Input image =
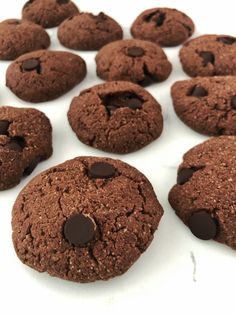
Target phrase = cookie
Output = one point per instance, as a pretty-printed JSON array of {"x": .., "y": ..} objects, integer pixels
[
  {"x": 48, "y": 13},
  {"x": 84, "y": 220},
  {"x": 86, "y": 31},
  {"x": 207, "y": 104},
  {"x": 44, "y": 75},
  {"x": 25, "y": 140},
  {"x": 209, "y": 55},
  {"x": 163, "y": 26},
  {"x": 118, "y": 117},
  {"x": 134, "y": 60},
  {"x": 204, "y": 196},
  {"x": 18, "y": 37}
]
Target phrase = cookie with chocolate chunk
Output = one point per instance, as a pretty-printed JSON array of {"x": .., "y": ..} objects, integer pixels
[
  {"x": 84, "y": 220},
  {"x": 118, "y": 117},
  {"x": 86, "y": 31},
  {"x": 209, "y": 55},
  {"x": 207, "y": 104},
  {"x": 204, "y": 196},
  {"x": 164, "y": 26},
  {"x": 134, "y": 60},
  {"x": 25, "y": 140}
]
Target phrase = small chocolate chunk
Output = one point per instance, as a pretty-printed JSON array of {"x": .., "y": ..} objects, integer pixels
[
  {"x": 207, "y": 57},
  {"x": 198, "y": 91},
  {"x": 32, "y": 166},
  {"x": 101, "y": 170},
  {"x": 16, "y": 143},
  {"x": 135, "y": 51},
  {"x": 4, "y": 125},
  {"x": 226, "y": 40},
  {"x": 203, "y": 225},
  {"x": 185, "y": 174},
  {"x": 31, "y": 65}
]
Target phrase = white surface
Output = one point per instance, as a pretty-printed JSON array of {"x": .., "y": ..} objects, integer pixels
[{"x": 163, "y": 279}]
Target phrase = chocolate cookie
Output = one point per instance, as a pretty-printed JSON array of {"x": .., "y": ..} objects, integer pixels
[
  {"x": 134, "y": 60},
  {"x": 87, "y": 219},
  {"x": 45, "y": 75},
  {"x": 25, "y": 140},
  {"x": 204, "y": 196},
  {"x": 164, "y": 26},
  {"x": 86, "y": 31},
  {"x": 118, "y": 117},
  {"x": 207, "y": 104},
  {"x": 48, "y": 13},
  {"x": 18, "y": 37},
  {"x": 209, "y": 55}
]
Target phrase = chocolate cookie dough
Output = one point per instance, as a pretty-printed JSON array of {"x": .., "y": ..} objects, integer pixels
[
  {"x": 45, "y": 75},
  {"x": 118, "y": 117},
  {"x": 204, "y": 196},
  {"x": 18, "y": 37},
  {"x": 134, "y": 60},
  {"x": 86, "y": 31},
  {"x": 209, "y": 55},
  {"x": 48, "y": 13},
  {"x": 25, "y": 140},
  {"x": 84, "y": 220},
  {"x": 207, "y": 104},
  {"x": 163, "y": 26}
]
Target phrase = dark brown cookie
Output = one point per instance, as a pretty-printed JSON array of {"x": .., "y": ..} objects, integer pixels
[
  {"x": 134, "y": 60},
  {"x": 118, "y": 117},
  {"x": 48, "y": 13},
  {"x": 25, "y": 140},
  {"x": 84, "y": 220},
  {"x": 86, "y": 31},
  {"x": 18, "y": 37},
  {"x": 164, "y": 26},
  {"x": 204, "y": 196},
  {"x": 209, "y": 55},
  {"x": 207, "y": 104},
  {"x": 45, "y": 75}
]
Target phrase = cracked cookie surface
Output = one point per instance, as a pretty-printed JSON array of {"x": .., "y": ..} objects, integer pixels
[
  {"x": 25, "y": 140},
  {"x": 118, "y": 117},
  {"x": 86, "y": 31},
  {"x": 134, "y": 60},
  {"x": 209, "y": 55},
  {"x": 164, "y": 26},
  {"x": 207, "y": 104},
  {"x": 204, "y": 196},
  {"x": 77, "y": 223}
]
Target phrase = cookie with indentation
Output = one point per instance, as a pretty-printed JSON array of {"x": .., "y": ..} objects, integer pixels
[
  {"x": 134, "y": 60},
  {"x": 118, "y": 117},
  {"x": 164, "y": 26},
  {"x": 84, "y": 220},
  {"x": 209, "y": 55},
  {"x": 45, "y": 75},
  {"x": 48, "y": 13},
  {"x": 25, "y": 140},
  {"x": 204, "y": 196},
  {"x": 20, "y": 36},
  {"x": 86, "y": 31},
  {"x": 207, "y": 104}
]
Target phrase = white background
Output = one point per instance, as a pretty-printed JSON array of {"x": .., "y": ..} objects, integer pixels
[{"x": 163, "y": 279}]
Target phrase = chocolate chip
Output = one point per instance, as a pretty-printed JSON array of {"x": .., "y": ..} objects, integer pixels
[
  {"x": 101, "y": 170},
  {"x": 149, "y": 17},
  {"x": 197, "y": 91},
  {"x": 16, "y": 143},
  {"x": 4, "y": 125},
  {"x": 226, "y": 40},
  {"x": 79, "y": 229},
  {"x": 32, "y": 166},
  {"x": 135, "y": 51},
  {"x": 202, "y": 225},
  {"x": 135, "y": 103},
  {"x": 148, "y": 77},
  {"x": 62, "y": 1},
  {"x": 31, "y": 65},
  {"x": 160, "y": 19},
  {"x": 207, "y": 57},
  {"x": 233, "y": 102},
  {"x": 185, "y": 174}
]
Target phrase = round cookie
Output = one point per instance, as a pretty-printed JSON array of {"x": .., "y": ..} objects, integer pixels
[
  {"x": 204, "y": 196},
  {"x": 118, "y": 117},
  {"x": 134, "y": 60},
  {"x": 44, "y": 75},
  {"x": 84, "y": 220},
  {"x": 207, "y": 104},
  {"x": 209, "y": 55},
  {"x": 25, "y": 140},
  {"x": 48, "y": 13},
  {"x": 164, "y": 26},
  {"x": 86, "y": 31},
  {"x": 18, "y": 37}
]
